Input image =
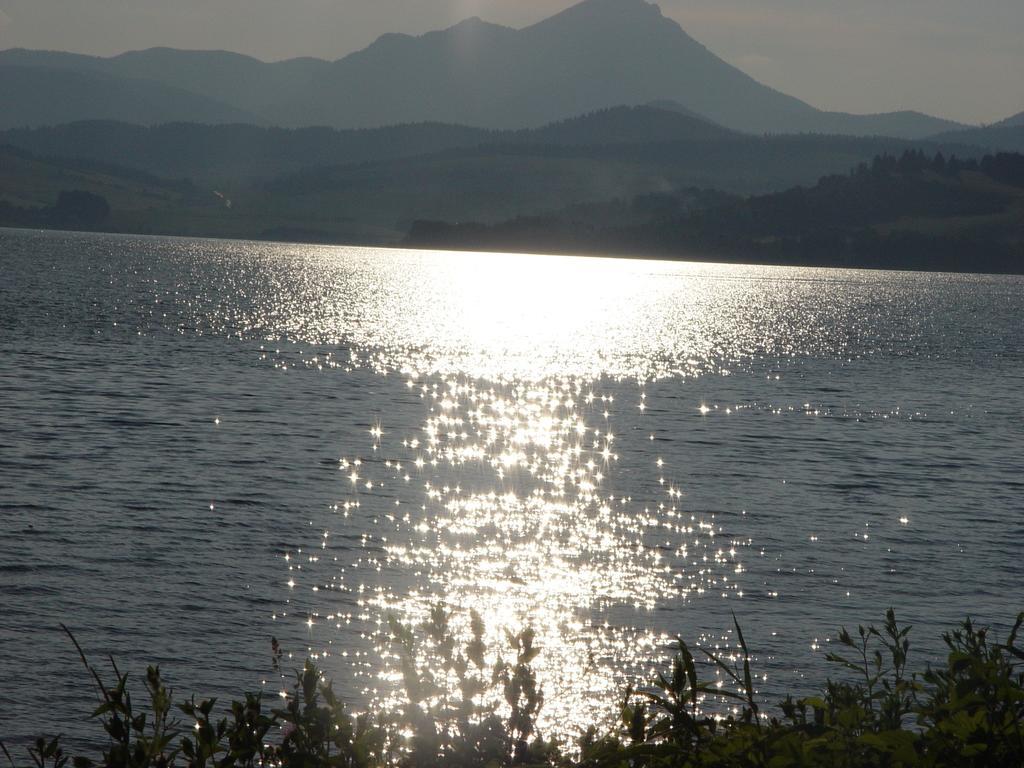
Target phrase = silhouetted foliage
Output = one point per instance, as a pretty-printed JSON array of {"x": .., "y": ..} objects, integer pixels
[
  {"x": 967, "y": 712},
  {"x": 1007, "y": 168}
]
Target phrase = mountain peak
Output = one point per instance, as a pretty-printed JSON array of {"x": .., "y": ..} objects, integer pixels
[
  {"x": 600, "y": 13},
  {"x": 642, "y": 6},
  {"x": 613, "y": 11},
  {"x": 476, "y": 24},
  {"x": 471, "y": 23}
]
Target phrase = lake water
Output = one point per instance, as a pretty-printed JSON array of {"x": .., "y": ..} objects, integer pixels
[{"x": 205, "y": 444}]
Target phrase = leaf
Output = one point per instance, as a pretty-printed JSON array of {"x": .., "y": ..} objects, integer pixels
[
  {"x": 722, "y": 665},
  {"x": 815, "y": 702},
  {"x": 748, "y": 683}
]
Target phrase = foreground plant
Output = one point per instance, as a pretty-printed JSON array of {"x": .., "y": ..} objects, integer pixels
[{"x": 464, "y": 711}]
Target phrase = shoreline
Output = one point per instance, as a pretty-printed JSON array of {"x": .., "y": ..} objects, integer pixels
[{"x": 716, "y": 259}]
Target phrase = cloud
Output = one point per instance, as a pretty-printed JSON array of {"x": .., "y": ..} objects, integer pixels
[{"x": 5, "y": 21}]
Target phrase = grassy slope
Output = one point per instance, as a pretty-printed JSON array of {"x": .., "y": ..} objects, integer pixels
[
  {"x": 139, "y": 203},
  {"x": 34, "y": 182}
]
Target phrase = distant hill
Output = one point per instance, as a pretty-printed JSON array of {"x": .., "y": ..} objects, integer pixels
[
  {"x": 914, "y": 211},
  {"x": 595, "y": 55},
  {"x": 674, "y": 106},
  {"x": 623, "y": 125},
  {"x": 1007, "y": 135},
  {"x": 904, "y": 124},
  {"x": 250, "y": 86},
  {"x": 374, "y": 191},
  {"x": 1016, "y": 120},
  {"x": 735, "y": 163},
  {"x": 492, "y": 182},
  {"x": 907, "y": 124},
  {"x": 235, "y": 153},
  {"x": 32, "y": 96},
  {"x": 245, "y": 152}
]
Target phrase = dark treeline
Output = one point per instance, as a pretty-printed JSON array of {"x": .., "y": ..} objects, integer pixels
[
  {"x": 913, "y": 210},
  {"x": 74, "y": 209},
  {"x": 1005, "y": 167}
]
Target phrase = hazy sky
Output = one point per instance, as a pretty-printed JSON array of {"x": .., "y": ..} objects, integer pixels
[{"x": 952, "y": 58}]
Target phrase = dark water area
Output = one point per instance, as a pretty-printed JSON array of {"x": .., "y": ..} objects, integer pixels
[{"x": 205, "y": 444}]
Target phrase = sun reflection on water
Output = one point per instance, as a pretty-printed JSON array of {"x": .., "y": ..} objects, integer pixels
[
  {"x": 508, "y": 318},
  {"x": 509, "y": 498},
  {"x": 507, "y": 508},
  {"x": 511, "y": 434}
]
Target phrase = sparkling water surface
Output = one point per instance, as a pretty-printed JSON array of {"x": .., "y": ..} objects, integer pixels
[{"x": 204, "y": 444}]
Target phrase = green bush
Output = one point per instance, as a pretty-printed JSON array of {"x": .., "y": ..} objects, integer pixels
[{"x": 461, "y": 711}]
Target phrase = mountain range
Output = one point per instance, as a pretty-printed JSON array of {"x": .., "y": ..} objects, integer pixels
[
  {"x": 1012, "y": 122},
  {"x": 595, "y": 55},
  {"x": 239, "y": 152},
  {"x": 1005, "y": 135},
  {"x": 588, "y": 121}
]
